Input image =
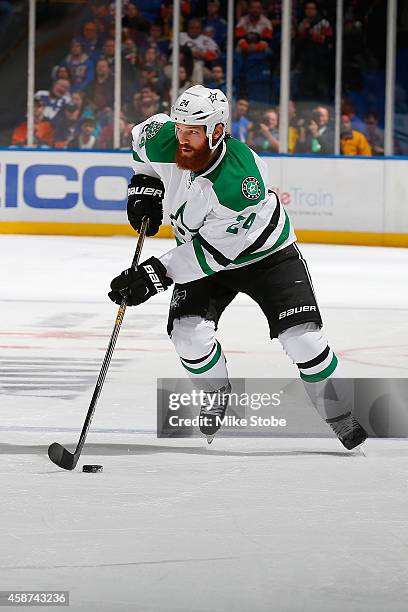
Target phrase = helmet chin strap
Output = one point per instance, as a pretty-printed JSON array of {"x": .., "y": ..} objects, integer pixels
[{"x": 219, "y": 141}]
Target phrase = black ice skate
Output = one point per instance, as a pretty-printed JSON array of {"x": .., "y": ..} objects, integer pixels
[
  {"x": 213, "y": 411},
  {"x": 348, "y": 430}
]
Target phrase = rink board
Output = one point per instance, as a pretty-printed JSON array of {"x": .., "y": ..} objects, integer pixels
[{"x": 329, "y": 199}]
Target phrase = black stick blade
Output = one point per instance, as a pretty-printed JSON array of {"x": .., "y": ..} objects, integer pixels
[{"x": 61, "y": 457}]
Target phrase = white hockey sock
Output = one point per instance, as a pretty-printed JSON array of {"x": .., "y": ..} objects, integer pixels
[
  {"x": 319, "y": 370},
  {"x": 200, "y": 353}
]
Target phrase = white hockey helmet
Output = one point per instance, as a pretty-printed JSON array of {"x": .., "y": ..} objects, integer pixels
[{"x": 199, "y": 105}]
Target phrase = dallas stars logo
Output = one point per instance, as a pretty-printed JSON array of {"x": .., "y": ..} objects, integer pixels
[
  {"x": 152, "y": 128},
  {"x": 213, "y": 96},
  {"x": 251, "y": 188},
  {"x": 179, "y": 295}
]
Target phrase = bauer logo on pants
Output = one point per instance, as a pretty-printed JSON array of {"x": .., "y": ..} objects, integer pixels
[{"x": 297, "y": 310}]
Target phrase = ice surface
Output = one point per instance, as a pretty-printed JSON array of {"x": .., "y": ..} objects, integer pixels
[{"x": 174, "y": 525}]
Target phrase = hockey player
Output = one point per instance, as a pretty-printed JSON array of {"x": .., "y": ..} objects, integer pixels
[{"x": 232, "y": 236}]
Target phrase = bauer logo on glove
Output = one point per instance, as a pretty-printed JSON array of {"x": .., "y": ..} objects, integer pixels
[
  {"x": 148, "y": 191},
  {"x": 137, "y": 286},
  {"x": 145, "y": 198},
  {"x": 155, "y": 279}
]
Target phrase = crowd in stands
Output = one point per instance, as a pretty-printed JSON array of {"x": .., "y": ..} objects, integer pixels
[
  {"x": 309, "y": 133},
  {"x": 77, "y": 109}
]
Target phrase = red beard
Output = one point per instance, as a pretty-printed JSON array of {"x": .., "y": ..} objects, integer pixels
[{"x": 196, "y": 160}]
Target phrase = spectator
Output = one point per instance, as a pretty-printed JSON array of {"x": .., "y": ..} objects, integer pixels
[
  {"x": 79, "y": 100},
  {"x": 210, "y": 33},
  {"x": 95, "y": 10},
  {"x": 274, "y": 14},
  {"x": 254, "y": 30},
  {"x": 375, "y": 135},
  {"x": 106, "y": 137},
  {"x": 132, "y": 109},
  {"x": 151, "y": 57},
  {"x": 149, "y": 107},
  {"x": 134, "y": 20},
  {"x": 100, "y": 91},
  {"x": 241, "y": 126},
  {"x": 155, "y": 79},
  {"x": 150, "y": 9},
  {"x": 253, "y": 54},
  {"x": 61, "y": 72},
  {"x": 86, "y": 138},
  {"x": 293, "y": 131},
  {"x": 156, "y": 39},
  {"x": 146, "y": 97},
  {"x": 253, "y": 69},
  {"x": 108, "y": 53},
  {"x": 43, "y": 131},
  {"x": 313, "y": 52},
  {"x": 308, "y": 138},
  {"x": 357, "y": 123},
  {"x": 351, "y": 141},
  {"x": 110, "y": 31},
  {"x": 267, "y": 138},
  {"x": 217, "y": 80},
  {"x": 130, "y": 53},
  {"x": 184, "y": 82},
  {"x": 203, "y": 48},
  {"x": 325, "y": 133},
  {"x": 214, "y": 21},
  {"x": 241, "y": 9},
  {"x": 187, "y": 60},
  {"x": 166, "y": 21},
  {"x": 79, "y": 65},
  {"x": 55, "y": 99},
  {"x": 131, "y": 73},
  {"x": 90, "y": 40},
  {"x": 66, "y": 126}
]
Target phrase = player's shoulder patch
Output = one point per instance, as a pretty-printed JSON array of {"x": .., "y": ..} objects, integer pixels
[
  {"x": 158, "y": 138},
  {"x": 153, "y": 128},
  {"x": 237, "y": 181},
  {"x": 251, "y": 188}
]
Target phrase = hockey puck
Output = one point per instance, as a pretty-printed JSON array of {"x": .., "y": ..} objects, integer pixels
[{"x": 92, "y": 468}]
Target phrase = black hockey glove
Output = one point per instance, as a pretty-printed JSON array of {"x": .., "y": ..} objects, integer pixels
[
  {"x": 145, "y": 198},
  {"x": 139, "y": 285}
]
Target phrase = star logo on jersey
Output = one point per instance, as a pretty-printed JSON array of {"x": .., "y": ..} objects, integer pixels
[
  {"x": 213, "y": 96},
  {"x": 251, "y": 188}
]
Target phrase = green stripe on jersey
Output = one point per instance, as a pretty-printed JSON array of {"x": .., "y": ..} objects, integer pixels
[
  {"x": 323, "y": 374},
  {"x": 209, "y": 365},
  {"x": 162, "y": 146},
  {"x": 237, "y": 181},
  {"x": 137, "y": 158},
  {"x": 282, "y": 237},
  {"x": 198, "y": 250}
]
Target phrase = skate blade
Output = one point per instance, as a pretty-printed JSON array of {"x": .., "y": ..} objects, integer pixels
[
  {"x": 360, "y": 450},
  {"x": 210, "y": 439}
]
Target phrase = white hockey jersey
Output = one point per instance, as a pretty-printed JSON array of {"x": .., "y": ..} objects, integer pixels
[{"x": 223, "y": 218}]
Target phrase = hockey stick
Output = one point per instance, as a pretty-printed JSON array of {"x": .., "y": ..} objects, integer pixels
[{"x": 57, "y": 453}]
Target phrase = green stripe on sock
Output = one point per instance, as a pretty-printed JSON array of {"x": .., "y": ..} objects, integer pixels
[
  {"x": 209, "y": 365},
  {"x": 323, "y": 374},
  {"x": 198, "y": 250}
]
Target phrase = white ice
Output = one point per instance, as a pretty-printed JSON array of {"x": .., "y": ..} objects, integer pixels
[{"x": 248, "y": 525}]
